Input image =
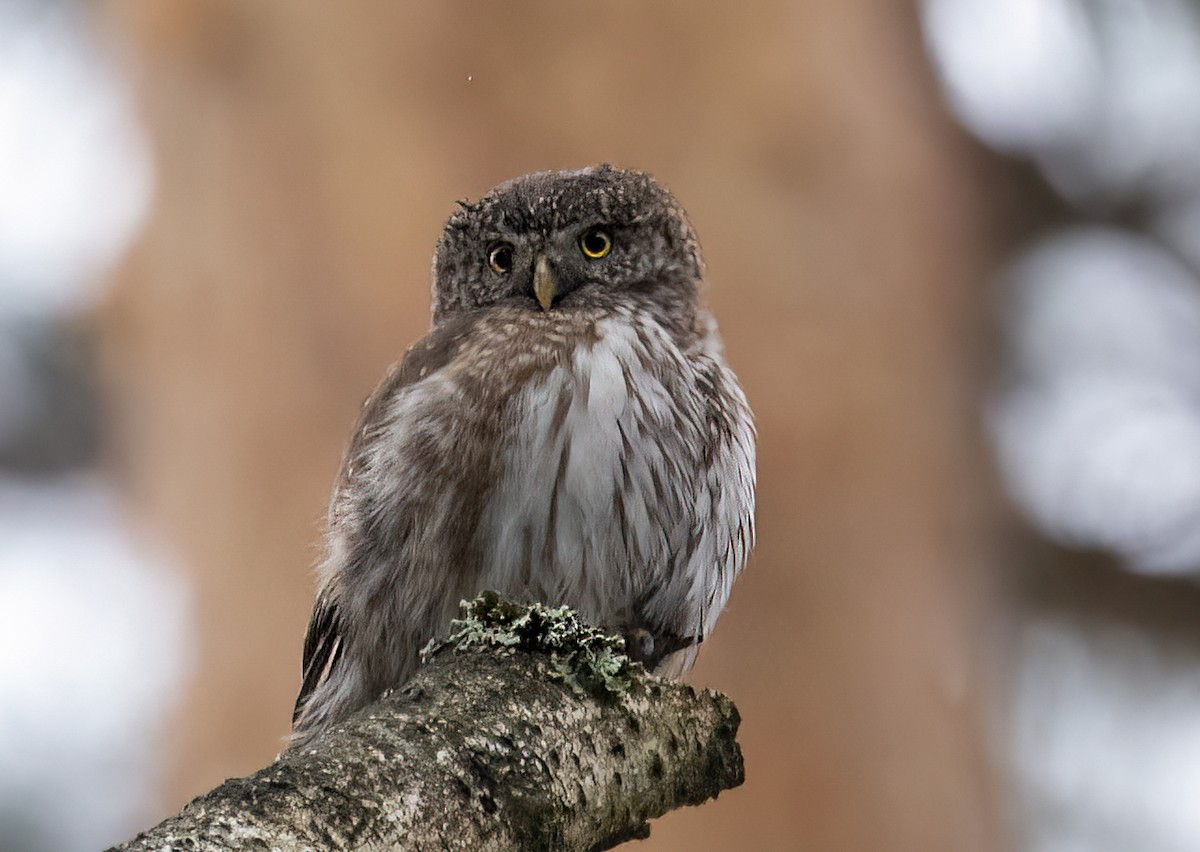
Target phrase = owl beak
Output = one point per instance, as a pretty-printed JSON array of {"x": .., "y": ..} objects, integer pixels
[{"x": 544, "y": 285}]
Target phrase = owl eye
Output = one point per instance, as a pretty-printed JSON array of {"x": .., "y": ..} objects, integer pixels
[
  {"x": 595, "y": 243},
  {"x": 500, "y": 258}
]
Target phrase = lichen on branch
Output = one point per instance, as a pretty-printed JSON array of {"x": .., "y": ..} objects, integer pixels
[{"x": 585, "y": 658}]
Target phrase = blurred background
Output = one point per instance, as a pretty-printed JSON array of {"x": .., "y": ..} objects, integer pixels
[{"x": 954, "y": 248}]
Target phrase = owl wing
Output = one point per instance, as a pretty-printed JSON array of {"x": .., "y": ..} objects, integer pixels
[
  {"x": 729, "y": 458},
  {"x": 324, "y": 641},
  {"x": 322, "y": 649},
  {"x": 724, "y": 535}
]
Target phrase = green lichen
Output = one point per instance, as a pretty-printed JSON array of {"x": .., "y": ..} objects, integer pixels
[{"x": 586, "y": 659}]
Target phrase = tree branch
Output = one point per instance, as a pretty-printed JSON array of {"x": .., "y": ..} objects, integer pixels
[{"x": 525, "y": 730}]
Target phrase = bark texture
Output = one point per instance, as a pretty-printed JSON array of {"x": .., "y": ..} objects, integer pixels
[{"x": 526, "y": 730}]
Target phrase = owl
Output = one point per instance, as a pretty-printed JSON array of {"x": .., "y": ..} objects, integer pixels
[{"x": 568, "y": 432}]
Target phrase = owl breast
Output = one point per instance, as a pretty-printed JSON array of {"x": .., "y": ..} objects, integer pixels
[{"x": 602, "y": 487}]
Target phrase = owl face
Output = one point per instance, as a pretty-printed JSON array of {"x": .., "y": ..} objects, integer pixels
[{"x": 565, "y": 241}]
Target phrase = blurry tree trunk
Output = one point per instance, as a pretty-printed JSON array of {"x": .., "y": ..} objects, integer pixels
[{"x": 307, "y": 156}]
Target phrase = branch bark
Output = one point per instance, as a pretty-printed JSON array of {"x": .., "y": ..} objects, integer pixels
[{"x": 525, "y": 730}]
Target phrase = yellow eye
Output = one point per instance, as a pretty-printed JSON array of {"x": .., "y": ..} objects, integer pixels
[
  {"x": 500, "y": 258},
  {"x": 595, "y": 243}
]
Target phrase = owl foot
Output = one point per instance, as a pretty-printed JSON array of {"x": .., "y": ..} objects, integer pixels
[
  {"x": 639, "y": 645},
  {"x": 644, "y": 647}
]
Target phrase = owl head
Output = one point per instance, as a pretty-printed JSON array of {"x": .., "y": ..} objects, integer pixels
[{"x": 566, "y": 242}]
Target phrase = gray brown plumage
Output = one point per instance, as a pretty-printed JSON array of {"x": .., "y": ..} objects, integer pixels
[{"x": 567, "y": 432}]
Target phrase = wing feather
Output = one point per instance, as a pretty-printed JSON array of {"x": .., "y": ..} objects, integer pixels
[
  {"x": 322, "y": 650},
  {"x": 326, "y": 637}
]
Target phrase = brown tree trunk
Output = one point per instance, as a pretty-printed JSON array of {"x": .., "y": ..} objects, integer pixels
[{"x": 307, "y": 154}]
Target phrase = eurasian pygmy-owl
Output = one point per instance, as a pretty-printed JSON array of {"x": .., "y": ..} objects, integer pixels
[{"x": 568, "y": 432}]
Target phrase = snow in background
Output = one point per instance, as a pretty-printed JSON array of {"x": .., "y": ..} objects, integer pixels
[
  {"x": 1096, "y": 421},
  {"x": 1099, "y": 430},
  {"x": 73, "y": 164},
  {"x": 91, "y": 646},
  {"x": 1106, "y": 739},
  {"x": 93, "y": 638}
]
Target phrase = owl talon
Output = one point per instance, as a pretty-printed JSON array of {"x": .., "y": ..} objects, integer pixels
[{"x": 639, "y": 644}]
